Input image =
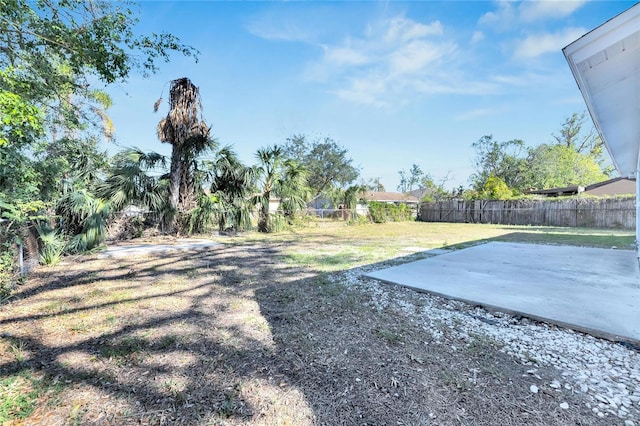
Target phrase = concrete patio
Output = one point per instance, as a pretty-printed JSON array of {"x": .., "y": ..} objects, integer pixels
[{"x": 593, "y": 290}]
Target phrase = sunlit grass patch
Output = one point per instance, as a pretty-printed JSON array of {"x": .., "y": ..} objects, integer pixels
[{"x": 20, "y": 392}]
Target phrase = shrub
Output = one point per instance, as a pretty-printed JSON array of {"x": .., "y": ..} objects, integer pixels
[
  {"x": 383, "y": 212},
  {"x": 378, "y": 212},
  {"x": 7, "y": 269},
  {"x": 52, "y": 248}
]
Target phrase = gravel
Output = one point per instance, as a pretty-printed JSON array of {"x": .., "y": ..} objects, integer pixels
[{"x": 605, "y": 373}]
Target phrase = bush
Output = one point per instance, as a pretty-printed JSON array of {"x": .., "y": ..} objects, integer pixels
[
  {"x": 378, "y": 212},
  {"x": 359, "y": 220},
  {"x": 383, "y": 212},
  {"x": 52, "y": 248},
  {"x": 7, "y": 270}
]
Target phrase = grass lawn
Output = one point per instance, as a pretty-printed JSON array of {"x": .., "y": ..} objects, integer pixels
[
  {"x": 264, "y": 330},
  {"x": 348, "y": 246}
]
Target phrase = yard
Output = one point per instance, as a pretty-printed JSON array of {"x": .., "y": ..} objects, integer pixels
[{"x": 280, "y": 329}]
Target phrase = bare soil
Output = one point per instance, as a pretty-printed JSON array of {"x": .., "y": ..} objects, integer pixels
[{"x": 237, "y": 335}]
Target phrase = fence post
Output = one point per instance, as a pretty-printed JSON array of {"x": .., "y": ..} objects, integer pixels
[{"x": 21, "y": 257}]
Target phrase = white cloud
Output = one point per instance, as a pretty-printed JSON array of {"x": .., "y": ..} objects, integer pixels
[
  {"x": 509, "y": 14},
  {"x": 401, "y": 29},
  {"x": 542, "y": 9},
  {"x": 539, "y": 44},
  {"x": 416, "y": 56},
  {"x": 393, "y": 61},
  {"x": 477, "y": 113},
  {"x": 477, "y": 37},
  {"x": 504, "y": 15},
  {"x": 345, "y": 55}
]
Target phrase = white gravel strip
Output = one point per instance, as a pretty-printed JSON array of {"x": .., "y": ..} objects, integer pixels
[{"x": 607, "y": 373}]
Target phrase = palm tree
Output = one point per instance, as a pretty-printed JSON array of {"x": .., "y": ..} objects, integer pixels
[
  {"x": 292, "y": 188},
  {"x": 270, "y": 159},
  {"x": 348, "y": 198},
  {"x": 185, "y": 129},
  {"x": 83, "y": 218},
  {"x": 284, "y": 178},
  {"x": 130, "y": 181},
  {"x": 228, "y": 202}
]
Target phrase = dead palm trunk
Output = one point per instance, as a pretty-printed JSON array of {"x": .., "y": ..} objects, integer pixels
[{"x": 185, "y": 129}]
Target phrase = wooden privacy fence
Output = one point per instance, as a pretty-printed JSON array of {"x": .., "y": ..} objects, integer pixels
[{"x": 617, "y": 213}]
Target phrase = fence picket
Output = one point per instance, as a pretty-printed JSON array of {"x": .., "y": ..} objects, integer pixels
[{"x": 617, "y": 213}]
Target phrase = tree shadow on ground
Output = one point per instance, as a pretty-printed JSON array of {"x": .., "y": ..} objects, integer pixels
[{"x": 234, "y": 336}]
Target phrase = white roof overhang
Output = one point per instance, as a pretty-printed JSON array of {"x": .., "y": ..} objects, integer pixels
[{"x": 606, "y": 65}]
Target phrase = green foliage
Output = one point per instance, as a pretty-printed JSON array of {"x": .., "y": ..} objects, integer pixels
[
  {"x": 495, "y": 189},
  {"x": 556, "y": 166},
  {"x": 18, "y": 396},
  {"x": 20, "y": 121},
  {"x": 83, "y": 218},
  {"x": 358, "y": 219},
  {"x": 231, "y": 189},
  {"x": 575, "y": 159},
  {"x": 348, "y": 198},
  {"x": 8, "y": 269},
  {"x": 292, "y": 188},
  {"x": 435, "y": 191},
  {"x": 277, "y": 223},
  {"x": 410, "y": 179},
  {"x": 279, "y": 177},
  {"x": 71, "y": 41},
  {"x": 68, "y": 164},
  {"x": 571, "y": 136},
  {"x": 52, "y": 246},
  {"x": 383, "y": 212},
  {"x": 500, "y": 159},
  {"x": 130, "y": 181},
  {"x": 326, "y": 162},
  {"x": 378, "y": 212},
  {"x": 13, "y": 218}
]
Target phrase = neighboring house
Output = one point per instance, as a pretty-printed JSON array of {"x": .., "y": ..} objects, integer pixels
[
  {"x": 616, "y": 186},
  {"x": 274, "y": 204},
  {"x": 320, "y": 202},
  {"x": 391, "y": 198}
]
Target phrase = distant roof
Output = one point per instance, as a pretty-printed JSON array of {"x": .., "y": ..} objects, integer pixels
[
  {"x": 606, "y": 65},
  {"x": 616, "y": 186},
  {"x": 390, "y": 197},
  {"x": 619, "y": 185},
  {"x": 567, "y": 190},
  {"x": 610, "y": 181}
]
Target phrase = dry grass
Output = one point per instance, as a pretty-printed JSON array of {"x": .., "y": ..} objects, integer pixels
[{"x": 255, "y": 332}]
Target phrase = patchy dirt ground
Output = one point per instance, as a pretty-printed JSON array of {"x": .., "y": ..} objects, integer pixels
[{"x": 238, "y": 335}]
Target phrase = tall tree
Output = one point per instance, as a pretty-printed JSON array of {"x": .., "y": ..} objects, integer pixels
[
  {"x": 280, "y": 177},
  {"x": 270, "y": 159},
  {"x": 327, "y": 163},
  {"x": 410, "y": 179},
  {"x": 571, "y": 135},
  {"x": 72, "y": 42},
  {"x": 185, "y": 129},
  {"x": 53, "y": 53},
  {"x": 553, "y": 166},
  {"x": 503, "y": 160}
]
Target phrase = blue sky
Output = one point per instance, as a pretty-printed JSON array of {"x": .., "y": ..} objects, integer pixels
[{"x": 396, "y": 83}]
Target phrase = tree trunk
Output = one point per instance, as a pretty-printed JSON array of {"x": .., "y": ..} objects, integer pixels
[
  {"x": 175, "y": 177},
  {"x": 263, "y": 221}
]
